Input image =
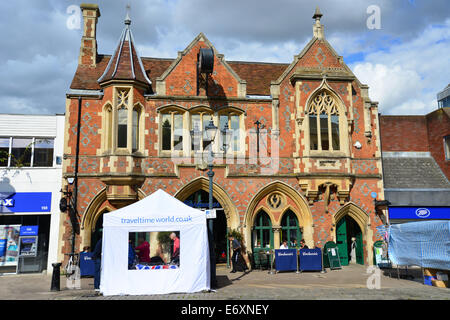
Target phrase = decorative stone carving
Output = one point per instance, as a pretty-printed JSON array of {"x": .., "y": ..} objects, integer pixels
[
  {"x": 275, "y": 200},
  {"x": 315, "y": 186}
]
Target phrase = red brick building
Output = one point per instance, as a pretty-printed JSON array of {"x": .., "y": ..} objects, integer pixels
[
  {"x": 416, "y": 164},
  {"x": 428, "y": 133},
  {"x": 310, "y": 171}
]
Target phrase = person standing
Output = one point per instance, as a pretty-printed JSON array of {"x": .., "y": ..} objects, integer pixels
[
  {"x": 131, "y": 255},
  {"x": 97, "y": 257},
  {"x": 236, "y": 259},
  {"x": 176, "y": 248},
  {"x": 303, "y": 244},
  {"x": 143, "y": 250},
  {"x": 284, "y": 245}
]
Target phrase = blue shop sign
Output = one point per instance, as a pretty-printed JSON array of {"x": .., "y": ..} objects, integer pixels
[
  {"x": 29, "y": 230},
  {"x": 419, "y": 213},
  {"x": 25, "y": 202}
]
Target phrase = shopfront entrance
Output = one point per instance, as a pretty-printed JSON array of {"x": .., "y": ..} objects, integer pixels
[
  {"x": 346, "y": 230},
  {"x": 30, "y": 264}
]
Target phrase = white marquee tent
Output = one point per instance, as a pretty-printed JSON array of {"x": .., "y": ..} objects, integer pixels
[{"x": 157, "y": 212}]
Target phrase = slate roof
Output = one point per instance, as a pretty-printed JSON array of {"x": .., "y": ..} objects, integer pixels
[
  {"x": 257, "y": 74},
  {"x": 413, "y": 173},
  {"x": 125, "y": 63}
]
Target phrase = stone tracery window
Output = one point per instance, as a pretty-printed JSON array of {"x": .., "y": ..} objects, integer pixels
[
  {"x": 323, "y": 117},
  {"x": 122, "y": 118}
]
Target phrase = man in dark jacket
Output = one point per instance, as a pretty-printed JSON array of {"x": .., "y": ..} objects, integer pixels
[
  {"x": 237, "y": 259},
  {"x": 97, "y": 257}
]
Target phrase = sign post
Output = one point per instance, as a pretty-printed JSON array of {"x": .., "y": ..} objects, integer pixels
[
  {"x": 210, "y": 213},
  {"x": 333, "y": 258}
]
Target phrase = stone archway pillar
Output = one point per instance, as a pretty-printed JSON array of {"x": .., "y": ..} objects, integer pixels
[
  {"x": 276, "y": 236},
  {"x": 308, "y": 231}
]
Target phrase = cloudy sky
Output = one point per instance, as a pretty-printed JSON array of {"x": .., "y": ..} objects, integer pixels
[{"x": 405, "y": 61}]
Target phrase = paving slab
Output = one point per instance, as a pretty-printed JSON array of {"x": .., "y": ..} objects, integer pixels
[{"x": 348, "y": 283}]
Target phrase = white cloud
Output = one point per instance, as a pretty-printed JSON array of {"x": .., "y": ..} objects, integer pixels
[
  {"x": 39, "y": 54},
  {"x": 406, "y": 78}
]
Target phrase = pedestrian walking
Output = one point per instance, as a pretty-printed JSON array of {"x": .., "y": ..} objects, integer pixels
[
  {"x": 97, "y": 257},
  {"x": 237, "y": 259}
]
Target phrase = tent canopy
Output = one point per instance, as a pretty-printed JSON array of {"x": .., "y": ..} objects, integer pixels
[{"x": 158, "y": 212}]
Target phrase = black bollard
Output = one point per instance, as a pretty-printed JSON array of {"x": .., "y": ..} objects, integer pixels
[{"x": 56, "y": 277}]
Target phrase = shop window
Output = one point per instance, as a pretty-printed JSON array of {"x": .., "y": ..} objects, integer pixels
[
  {"x": 290, "y": 229},
  {"x": 26, "y": 152},
  {"x": 21, "y": 152},
  {"x": 4, "y": 151},
  {"x": 323, "y": 119},
  {"x": 43, "y": 153}
]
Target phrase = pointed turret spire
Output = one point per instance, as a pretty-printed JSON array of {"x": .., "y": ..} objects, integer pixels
[
  {"x": 318, "y": 27},
  {"x": 125, "y": 63}
]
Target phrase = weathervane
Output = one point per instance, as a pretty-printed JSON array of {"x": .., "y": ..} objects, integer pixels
[{"x": 127, "y": 18}]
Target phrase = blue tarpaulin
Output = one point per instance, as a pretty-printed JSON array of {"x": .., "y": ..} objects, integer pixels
[{"x": 425, "y": 244}]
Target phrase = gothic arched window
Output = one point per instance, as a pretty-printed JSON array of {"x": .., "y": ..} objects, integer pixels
[{"x": 323, "y": 117}]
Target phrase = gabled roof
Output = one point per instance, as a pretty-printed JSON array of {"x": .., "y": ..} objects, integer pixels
[
  {"x": 125, "y": 63},
  {"x": 257, "y": 74}
]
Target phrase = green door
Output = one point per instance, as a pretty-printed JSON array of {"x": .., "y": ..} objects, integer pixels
[
  {"x": 359, "y": 249},
  {"x": 341, "y": 241}
]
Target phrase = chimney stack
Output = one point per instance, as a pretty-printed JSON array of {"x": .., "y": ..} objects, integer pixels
[
  {"x": 88, "y": 49},
  {"x": 318, "y": 27}
]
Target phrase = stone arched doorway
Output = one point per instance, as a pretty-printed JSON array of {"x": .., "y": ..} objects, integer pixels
[
  {"x": 200, "y": 200},
  {"x": 202, "y": 183},
  {"x": 92, "y": 219},
  {"x": 196, "y": 194},
  {"x": 352, "y": 222}
]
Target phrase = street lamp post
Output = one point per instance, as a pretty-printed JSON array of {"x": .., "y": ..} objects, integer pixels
[{"x": 211, "y": 131}]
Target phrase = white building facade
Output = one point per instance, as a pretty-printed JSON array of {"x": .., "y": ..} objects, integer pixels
[{"x": 31, "y": 151}]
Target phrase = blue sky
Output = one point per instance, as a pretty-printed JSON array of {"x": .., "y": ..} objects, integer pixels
[{"x": 405, "y": 62}]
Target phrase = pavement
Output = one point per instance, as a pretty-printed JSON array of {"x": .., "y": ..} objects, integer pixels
[{"x": 348, "y": 283}]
